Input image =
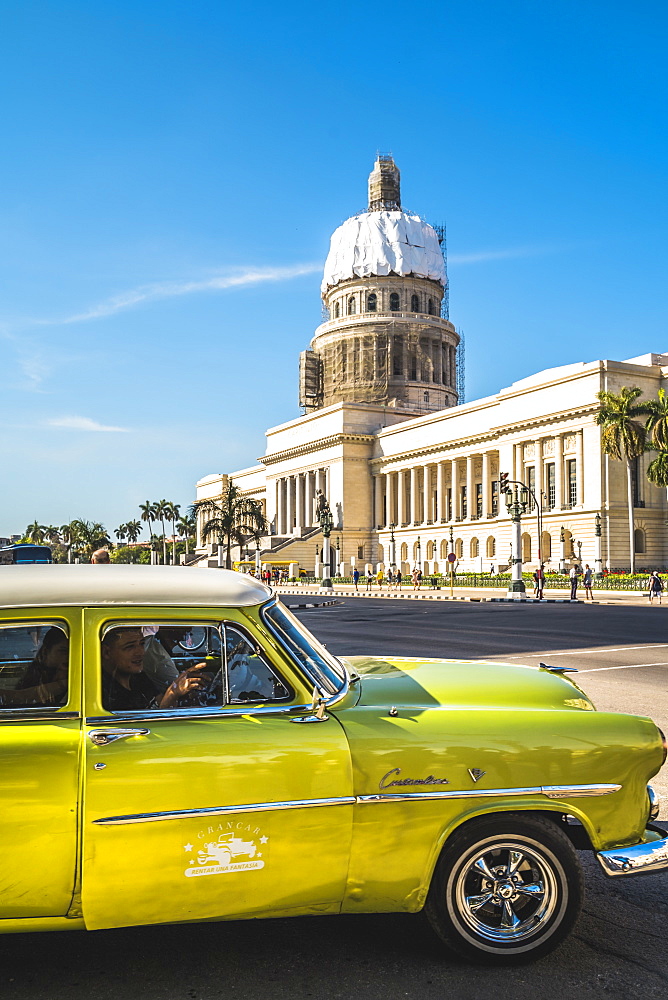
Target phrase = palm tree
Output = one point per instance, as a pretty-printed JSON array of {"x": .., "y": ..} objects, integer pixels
[
  {"x": 173, "y": 511},
  {"x": 121, "y": 532},
  {"x": 623, "y": 439},
  {"x": 162, "y": 514},
  {"x": 35, "y": 532},
  {"x": 91, "y": 535},
  {"x": 231, "y": 519},
  {"x": 148, "y": 516},
  {"x": 52, "y": 534},
  {"x": 657, "y": 421},
  {"x": 657, "y": 470},
  {"x": 186, "y": 527},
  {"x": 70, "y": 536},
  {"x": 133, "y": 531}
]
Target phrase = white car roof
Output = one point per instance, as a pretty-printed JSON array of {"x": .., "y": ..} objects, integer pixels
[{"x": 90, "y": 585}]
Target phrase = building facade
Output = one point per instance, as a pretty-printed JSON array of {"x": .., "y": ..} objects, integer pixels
[{"x": 384, "y": 437}]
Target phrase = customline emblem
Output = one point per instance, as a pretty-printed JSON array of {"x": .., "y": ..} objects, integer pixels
[{"x": 429, "y": 780}]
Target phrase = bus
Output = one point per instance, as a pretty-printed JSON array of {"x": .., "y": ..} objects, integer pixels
[{"x": 14, "y": 555}]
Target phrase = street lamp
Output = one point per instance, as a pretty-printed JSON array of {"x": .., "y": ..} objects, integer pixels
[
  {"x": 597, "y": 550},
  {"x": 562, "y": 549},
  {"x": 393, "y": 546},
  {"x": 257, "y": 558},
  {"x": 579, "y": 545},
  {"x": 418, "y": 553},
  {"x": 326, "y": 524},
  {"x": 517, "y": 501}
]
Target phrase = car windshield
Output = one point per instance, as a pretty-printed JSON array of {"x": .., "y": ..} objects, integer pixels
[{"x": 323, "y": 668}]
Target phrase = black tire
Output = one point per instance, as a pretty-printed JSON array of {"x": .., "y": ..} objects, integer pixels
[{"x": 506, "y": 889}]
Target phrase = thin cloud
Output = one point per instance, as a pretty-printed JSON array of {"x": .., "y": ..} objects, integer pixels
[
  {"x": 511, "y": 253},
  {"x": 170, "y": 289},
  {"x": 84, "y": 424}
]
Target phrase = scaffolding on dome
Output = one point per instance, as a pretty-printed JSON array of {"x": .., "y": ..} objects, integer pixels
[
  {"x": 440, "y": 230},
  {"x": 461, "y": 368}
]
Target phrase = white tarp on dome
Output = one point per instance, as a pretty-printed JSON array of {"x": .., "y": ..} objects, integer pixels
[{"x": 381, "y": 243}]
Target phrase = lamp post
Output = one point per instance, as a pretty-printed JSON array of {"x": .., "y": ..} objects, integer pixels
[
  {"x": 562, "y": 550},
  {"x": 257, "y": 558},
  {"x": 326, "y": 525},
  {"x": 517, "y": 501},
  {"x": 418, "y": 553},
  {"x": 337, "y": 558},
  {"x": 597, "y": 550},
  {"x": 316, "y": 568},
  {"x": 451, "y": 563},
  {"x": 393, "y": 547},
  {"x": 579, "y": 545}
]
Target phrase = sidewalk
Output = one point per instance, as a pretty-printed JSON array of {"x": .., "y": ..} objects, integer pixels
[{"x": 474, "y": 594}]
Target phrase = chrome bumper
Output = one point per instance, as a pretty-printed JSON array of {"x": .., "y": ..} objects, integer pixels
[{"x": 638, "y": 859}]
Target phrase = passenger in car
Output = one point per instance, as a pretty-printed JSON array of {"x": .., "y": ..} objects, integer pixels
[
  {"x": 45, "y": 680},
  {"x": 125, "y": 686},
  {"x": 158, "y": 646}
]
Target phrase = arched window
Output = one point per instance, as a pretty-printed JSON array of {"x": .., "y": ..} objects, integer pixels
[
  {"x": 546, "y": 546},
  {"x": 337, "y": 310},
  {"x": 404, "y": 552},
  {"x": 639, "y": 541},
  {"x": 371, "y": 302},
  {"x": 426, "y": 397},
  {"x": 459, "y": 548},
  {"x": 475, "y": 548},
  {"x": 430, "y": 307},
  {"x": 491, "y": 547},
  {"x": 526, "y": 547},
  {"x": 395, "y": 305},
  {"x": 352, "y": 308},
  {"x": 444, "y": 549},
  {"x": 415, "y": 303}
]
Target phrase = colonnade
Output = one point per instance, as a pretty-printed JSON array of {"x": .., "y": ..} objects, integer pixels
[
  {"x": 295, "y": 500},
  {"x": 466, "y": 488}
]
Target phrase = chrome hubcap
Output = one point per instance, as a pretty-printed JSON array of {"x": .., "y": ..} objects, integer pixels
[{"x": 506, "y": 892}]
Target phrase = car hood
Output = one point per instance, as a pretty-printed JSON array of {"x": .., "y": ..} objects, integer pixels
[{"x": 426, "y": 683}]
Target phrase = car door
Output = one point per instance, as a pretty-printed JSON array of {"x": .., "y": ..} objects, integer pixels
[
  {"x": 40, "y": 737},
  {"x": 227, "y": 809}
]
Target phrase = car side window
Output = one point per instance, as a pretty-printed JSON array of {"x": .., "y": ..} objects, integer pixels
[
  {"x": 34, "y": 663},
  {"x": 151, "y": 666},
  {"x": 250, "y": 678}
]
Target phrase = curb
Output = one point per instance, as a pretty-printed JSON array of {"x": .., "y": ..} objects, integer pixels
[
  {"x": 320, "y": 604},
  {"x": 384, "y": 595}
]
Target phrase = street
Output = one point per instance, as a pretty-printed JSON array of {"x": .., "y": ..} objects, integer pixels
[{"x": 617, "y": 950}]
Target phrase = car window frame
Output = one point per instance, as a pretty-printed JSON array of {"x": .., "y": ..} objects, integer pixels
[
  {"x": 228, "y": 709},
  {"x": 45, "y": 713}
]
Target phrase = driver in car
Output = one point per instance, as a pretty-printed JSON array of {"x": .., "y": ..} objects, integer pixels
[{"x": 125, "y": 685}]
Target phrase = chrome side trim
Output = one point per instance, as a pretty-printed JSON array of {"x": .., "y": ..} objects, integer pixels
[
  {"x": 654, "y": 803},
  {"x": 35, "y": 715},
  {"x": 635, "y": 860},
  {"x": 574, "y": 791},
  {"x": 550, "y": 791},
  {"x": 157, "y": 817},
  {"x": 158, "y": 715}
]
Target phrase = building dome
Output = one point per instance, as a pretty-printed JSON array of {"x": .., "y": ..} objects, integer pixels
[{"x": 383, "y": 243}]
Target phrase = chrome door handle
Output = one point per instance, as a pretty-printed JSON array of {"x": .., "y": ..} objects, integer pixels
[{"x": 102, "y": 737}]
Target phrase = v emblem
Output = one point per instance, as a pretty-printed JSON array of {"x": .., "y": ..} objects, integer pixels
[{"x": 476, "y": 773}]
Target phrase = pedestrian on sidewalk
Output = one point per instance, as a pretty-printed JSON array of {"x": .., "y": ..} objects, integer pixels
[
  {"x": 536, "y": 583},
  {"x": 587, "y": 580},
  {"x": 574, "y": 575},
  {"x": 419, "y": 578},
  {"x": 369, "y": 578},
  {"x": 390, "y": 578},
  {"x": 655, "y": 587},
  {"x": 414, "y": 577},
  {"x": 379, "y": 579},
  {"x": 356, "y": 577}
]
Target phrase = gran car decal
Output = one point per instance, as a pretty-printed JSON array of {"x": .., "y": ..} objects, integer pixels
[
  {"x": 429, "y": 780},
  {"x": 226, "y": 847}
]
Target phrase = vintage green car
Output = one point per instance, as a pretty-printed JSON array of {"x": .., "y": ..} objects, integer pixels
[{"x": 177, "y": 747}]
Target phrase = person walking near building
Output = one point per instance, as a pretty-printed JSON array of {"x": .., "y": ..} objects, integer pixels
[
  {"x": 655, "y": 587},
  {"x": 414, "y": 577},
  {"x": 369, "y": 578},
  {"x": 574, "y": 574},
  {"x": 356, "y": 577},
  {"x": 587, "y": 580},
  {"x": 379, "y": 579}
]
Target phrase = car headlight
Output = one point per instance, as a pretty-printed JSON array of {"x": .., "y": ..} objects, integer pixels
[
  {"x": 654, "y": 803},
  {"x": 665, "y": 746}
]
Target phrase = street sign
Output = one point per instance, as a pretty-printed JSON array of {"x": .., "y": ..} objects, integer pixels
[{"x": 452, "y": 557}]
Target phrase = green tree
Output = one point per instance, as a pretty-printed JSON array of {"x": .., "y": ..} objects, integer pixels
[
  {"x": 231, "y": 519},
  {"x": 656, "y": 428},
  {"x": 121, "y": 532},
  {"x": 91, "y": 535},
  {"x": 133, "y": 531},
  {"x": 162, "y": 514},
  {"x": 623, "y": 439},
  {"x": 657, "y": 470},
  {"x": 52, "y": 534},
  {"x": 172, "y": 513},
  {"x": 35, "y": 532},
  {"x": 148, "y": 515},
  {"x": 186, "y": 527}
]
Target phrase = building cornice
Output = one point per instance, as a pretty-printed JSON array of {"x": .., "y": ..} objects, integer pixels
[
  {"x": 319, "y": 444},
  {"x": 494, "y": 434}
]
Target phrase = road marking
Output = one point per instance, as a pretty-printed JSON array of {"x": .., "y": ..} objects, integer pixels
[
  {"x": 628, "y": 666},
  {"x": 580, "y": 652}
]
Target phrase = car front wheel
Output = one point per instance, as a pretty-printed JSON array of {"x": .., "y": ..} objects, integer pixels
[{"x": 507, "y": 888}]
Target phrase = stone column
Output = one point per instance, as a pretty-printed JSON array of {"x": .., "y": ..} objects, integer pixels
[
  {"x": 414, "y": 495},
  {"x": 486, "y": 487},
  {"x": 579, "y": 467},
  {"x": 426, "y": 493},
  {"x": 310, "y": 495},
  {"x": 280, "y": 506},
  {"x": 440, "y": 492},
  {"x": 470, "y": 489},
  {"x": 299, "y": 497},
  {"x": 558, "y": 472},
  {"x": 401, "y": 497},
  {"x": 538, "y": 459},
  {"x": 454, "y": 486},
  {"x": 378, "y": 486},
  {"x": 290, "y": 505}
]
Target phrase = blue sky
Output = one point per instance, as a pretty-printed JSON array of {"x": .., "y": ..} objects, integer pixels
[{"x": 172, "y": 173}]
